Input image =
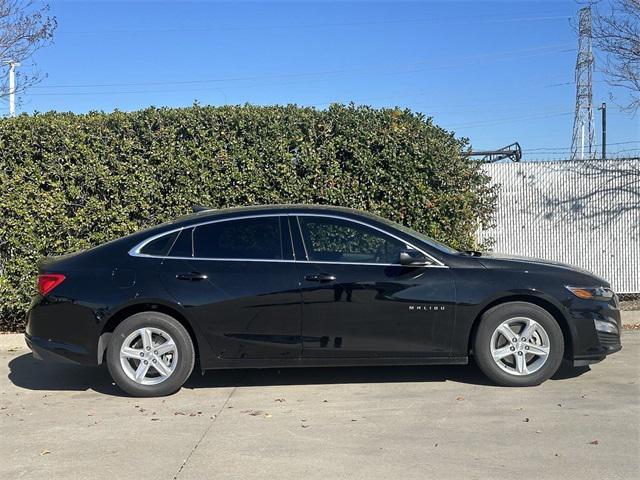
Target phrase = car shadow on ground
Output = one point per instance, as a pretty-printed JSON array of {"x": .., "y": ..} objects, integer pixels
[{"x": 29, "y": 373}]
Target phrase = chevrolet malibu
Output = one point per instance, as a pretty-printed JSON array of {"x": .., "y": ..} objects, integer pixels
[{"x": 294, "y": 286}]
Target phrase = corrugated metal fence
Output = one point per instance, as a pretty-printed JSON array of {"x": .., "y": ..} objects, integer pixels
[{"x": 584, "y": 213}]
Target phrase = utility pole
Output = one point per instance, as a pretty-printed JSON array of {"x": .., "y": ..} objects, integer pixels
[
  {"x": 603, "y": 109},
  {"x": 583, "y": 118},
  {"x": 12, "y": 87}
]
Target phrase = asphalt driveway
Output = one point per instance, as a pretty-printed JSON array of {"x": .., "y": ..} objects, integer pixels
[{"x": 360, "y": 423}]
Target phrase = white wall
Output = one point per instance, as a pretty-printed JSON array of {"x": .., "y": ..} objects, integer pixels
[{"x": 585, "y": 213}]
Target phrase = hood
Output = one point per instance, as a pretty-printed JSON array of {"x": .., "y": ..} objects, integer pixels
[{"x": 491, "y": 260}]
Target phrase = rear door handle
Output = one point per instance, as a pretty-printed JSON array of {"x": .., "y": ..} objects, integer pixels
[
  {"x": 192, "y": 276},
  {"x": 321, "y": 277}
]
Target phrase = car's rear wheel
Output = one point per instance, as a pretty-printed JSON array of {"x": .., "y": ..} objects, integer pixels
[
  {"x": 150, "y": 354},
  {"x": 518, "y": 344}
]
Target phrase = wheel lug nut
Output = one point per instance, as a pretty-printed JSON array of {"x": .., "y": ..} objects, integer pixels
[
  {"x": 514, "y": 340},
  {"x": 519, "y": 353},
  {"x": 513, "y": 349},
  {"x": 155, "y": 352},
  {"x": 146, "y": 362},
  {"x": 154, "y": 360},
  {"x": 148, "y": 348},
  {"x": 526, "y": 348},
  {"x": 524, "y": 339},
  {"x": 142, "y": 354}
]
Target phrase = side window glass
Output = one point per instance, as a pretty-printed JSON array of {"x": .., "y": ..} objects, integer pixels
[
  {"x": 183, "y": 246},
  {"x": 334, "y": 240},
  {"x": 250, "y": 238},
  {"x": 160, "y": 246}
]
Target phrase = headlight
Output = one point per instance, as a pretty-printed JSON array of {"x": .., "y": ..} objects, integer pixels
[{"x": 592, "y": 293}]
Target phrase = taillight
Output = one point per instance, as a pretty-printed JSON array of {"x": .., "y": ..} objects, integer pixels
[{"x": 49, "y": 281}]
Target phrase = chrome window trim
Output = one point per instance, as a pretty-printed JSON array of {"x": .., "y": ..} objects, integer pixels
[{"x": 135, "y": 251}]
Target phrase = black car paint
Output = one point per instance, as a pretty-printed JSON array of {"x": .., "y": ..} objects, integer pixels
[{"x": 269, "y": 314}]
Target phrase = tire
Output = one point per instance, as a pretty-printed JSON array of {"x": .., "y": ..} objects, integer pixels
[
  {"x": 519, "y": 367},
  {"x": 168, "y": 342}
]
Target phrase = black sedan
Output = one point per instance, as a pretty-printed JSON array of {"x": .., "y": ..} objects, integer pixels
[{"x": 284, "y": 286}]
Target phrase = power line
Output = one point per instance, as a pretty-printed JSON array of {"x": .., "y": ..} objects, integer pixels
[
  {"x": 509, "y": 120},
  {"x": 545, "y": 50},
  {"x": 569, "y": 148},
  {"x": 207, "y": 28}
]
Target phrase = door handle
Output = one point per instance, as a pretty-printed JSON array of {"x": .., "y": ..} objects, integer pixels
[
  {"x": 192, "y": 276},
  {"x": 321, "y": 277}
]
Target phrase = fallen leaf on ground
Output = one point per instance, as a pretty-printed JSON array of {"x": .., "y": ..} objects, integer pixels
[
  {"x": 179, "y": 413},
  {"x": 279, "y": 400},
  {"x": 155, "y": 419},
  {"x": 304, "y": 426},
  {"x": 526, "y": 420},
  {"x": 460, "y": 398},
  {"x": 594, "y": 442},
  {"x": 45, "y": 452},
  {"x": 254, "y": 413}
]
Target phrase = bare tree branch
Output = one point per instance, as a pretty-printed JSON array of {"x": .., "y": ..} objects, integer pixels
[
  {"x": 24, "y": 28},
  {"x": 617, "y": 34}
]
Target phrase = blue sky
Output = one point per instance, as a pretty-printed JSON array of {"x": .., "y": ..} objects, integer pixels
[{"x": 495, "y": 72}]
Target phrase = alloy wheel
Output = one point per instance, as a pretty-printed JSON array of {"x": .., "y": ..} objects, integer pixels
[
  {"x": 520, "y": 346},
  {"x": 149, "y": 356}
]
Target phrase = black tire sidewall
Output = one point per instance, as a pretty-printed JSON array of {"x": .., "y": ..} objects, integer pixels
[
  {"x": 492, "y": 318},
  {"x": 186, "y": 354}
]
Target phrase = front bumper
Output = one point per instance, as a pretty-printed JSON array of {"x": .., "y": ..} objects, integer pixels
[{"x": 598, "y": 327}]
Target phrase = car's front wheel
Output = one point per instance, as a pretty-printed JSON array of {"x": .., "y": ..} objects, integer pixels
[
  {"x": 518, "y": 344},
  {"x": 150, "y": 354}
]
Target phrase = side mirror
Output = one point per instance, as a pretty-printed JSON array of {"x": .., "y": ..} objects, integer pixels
[{"x": 413, "y": 258}]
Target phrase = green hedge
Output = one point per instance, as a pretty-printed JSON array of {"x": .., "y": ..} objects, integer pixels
[{"x": 70, "y": 181}]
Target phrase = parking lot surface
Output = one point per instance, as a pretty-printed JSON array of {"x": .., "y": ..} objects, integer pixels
[{"x": 65, "y": 421}]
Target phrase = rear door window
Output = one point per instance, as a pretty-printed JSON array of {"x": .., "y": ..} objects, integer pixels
[{"x": 248, "y": 239}]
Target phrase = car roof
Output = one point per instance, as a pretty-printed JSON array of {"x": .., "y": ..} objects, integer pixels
[{"x": 275, "y": 208}]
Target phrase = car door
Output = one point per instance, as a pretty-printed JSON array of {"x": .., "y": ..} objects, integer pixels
[
  {"x": 236, "y": 278},
  {"x": 358, "y": 301}
]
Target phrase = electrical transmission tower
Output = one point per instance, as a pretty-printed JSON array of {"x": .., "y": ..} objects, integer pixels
[{"x": 582, "y": 144}]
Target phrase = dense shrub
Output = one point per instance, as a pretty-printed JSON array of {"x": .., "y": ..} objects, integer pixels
[{"x": 68, "y": 181}]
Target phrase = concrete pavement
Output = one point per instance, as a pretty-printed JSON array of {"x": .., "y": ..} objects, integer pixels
[{"x": 70, "y": 422}]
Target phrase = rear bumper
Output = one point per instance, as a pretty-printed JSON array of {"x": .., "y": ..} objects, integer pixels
[{"x": 51, "y": 351}]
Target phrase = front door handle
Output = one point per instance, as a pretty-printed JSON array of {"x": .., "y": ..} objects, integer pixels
[
  {"x": 321, "y": 277},
  {"x": 192, "y": 276}
]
